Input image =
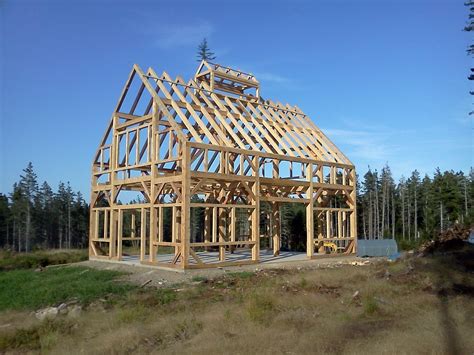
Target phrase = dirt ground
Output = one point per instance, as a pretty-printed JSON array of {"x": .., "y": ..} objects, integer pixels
[{"x": 159, "y": 277}]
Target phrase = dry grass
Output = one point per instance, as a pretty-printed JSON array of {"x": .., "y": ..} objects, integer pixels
[{"x": 414, "y": 306}]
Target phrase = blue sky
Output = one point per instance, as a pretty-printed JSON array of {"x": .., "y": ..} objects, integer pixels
[{"x": 385, "y": 79}]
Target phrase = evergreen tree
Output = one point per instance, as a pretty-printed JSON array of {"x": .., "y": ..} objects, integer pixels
[
  {"x": 413, "y": 186},
  {"x": 427, "y": 207},
  {"x": 61, "y": 201},
  {"x": 204, "y": 53},
  {"x": 29, "y": 187},
  {"x": 5, "y": 218},
  {"x": 388, "y": 206},
  {"x": 17, "y": 208},
  {"x": 80, "y": 222},
  {"x": 44, "y": 215}
]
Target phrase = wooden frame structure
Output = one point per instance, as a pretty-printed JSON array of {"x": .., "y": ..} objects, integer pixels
[{"x": 212, "y": 143}]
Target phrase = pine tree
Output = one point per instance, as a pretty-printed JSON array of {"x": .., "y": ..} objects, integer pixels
[
  {"x": 29, "y": 187},
  {"x": 80, "y": 221},
  {"x": 44, "y": 215},
  {"x": 69, "y": 200},
  {"x": 402, "y": 193},
  {"x": 18, "y": 208},
  {"x": 61, "y": 199},
  {"x": 388, "y": 188},
  {"x": 470, "y": 194},
  {"x": 427, "y": 209},
  {"x": 204, "y": 53},
  {"x": 4, "y": 221},
  {"x": 414, "y": 183}
]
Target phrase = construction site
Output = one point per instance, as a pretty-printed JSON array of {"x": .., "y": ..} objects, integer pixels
[{"x": 212, "y": 147}]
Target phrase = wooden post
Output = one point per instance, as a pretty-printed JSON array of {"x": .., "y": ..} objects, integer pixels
[
  {"x": 256, "y": 212},
  {"x": 96, "y": 224},
  {"x": 106, "y": 224},
  {"x": 222, "y": 232},
  {"x": 154, "y": 148},
  {"x": 214, "y": 224},
  {"x": 133, "y": 225},
  {"x": 310, "y": 214},
  {"x": 160, "y": 224},
  {"x": 276, "y": 231},
  {"x": 119, "y": 234},
  {"x": 233, "y": 220},
  {"x": 328, "y": 224},
  {"x": 174, "y": 218},
  {"x": 339, "y": 224},
  {"x": 207, "y": 224},
  {"x": 142, "y": 233},
  {"x": 185, "y": 206},
  {"x": 353, "y": 215},
  {"x": 113, "y": 234}
]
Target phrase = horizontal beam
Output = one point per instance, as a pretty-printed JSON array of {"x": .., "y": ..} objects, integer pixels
[
  {"x": 284, "y": 199},
  {"x": 269, "y": 155},
  {"x": 220, "y": 205},
  {"x": 216, "y": 244}
]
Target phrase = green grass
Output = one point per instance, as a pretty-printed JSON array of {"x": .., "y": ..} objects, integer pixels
[
  {"x": 166, "y": 295},
  {"x": 370, "y": 306},
  {"x": 27, "y": 289},
  {"x": 12, "y": 260}
]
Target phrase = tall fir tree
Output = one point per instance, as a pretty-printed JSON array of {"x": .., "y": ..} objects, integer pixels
[
  {"x": 5, "y": 220},
  {"x": 29, "y": 187},
  {"x": 204, "y": 53}
]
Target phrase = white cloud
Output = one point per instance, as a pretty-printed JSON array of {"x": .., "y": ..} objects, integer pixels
[{"x": 365, "y": 144}]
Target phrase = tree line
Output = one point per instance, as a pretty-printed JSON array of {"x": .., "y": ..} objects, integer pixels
[
  {"x": 414, "y": 208},
  {"x": 34, "y": 216}
]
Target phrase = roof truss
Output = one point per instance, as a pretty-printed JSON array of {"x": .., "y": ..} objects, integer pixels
[{"x": 197, "y": 112}]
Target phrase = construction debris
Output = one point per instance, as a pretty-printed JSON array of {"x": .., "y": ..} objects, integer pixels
[
  {"x": 448, "y": 240},
  {"x": 360, "y": 263}
]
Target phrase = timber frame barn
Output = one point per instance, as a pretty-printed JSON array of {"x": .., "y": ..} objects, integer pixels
[{"x": 212, "y": 145}]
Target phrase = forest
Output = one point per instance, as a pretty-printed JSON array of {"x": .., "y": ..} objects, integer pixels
[{"x": 412, "y": 209}]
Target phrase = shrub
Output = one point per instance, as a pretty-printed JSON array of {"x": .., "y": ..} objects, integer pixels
[{"x": 12, "y": 261}]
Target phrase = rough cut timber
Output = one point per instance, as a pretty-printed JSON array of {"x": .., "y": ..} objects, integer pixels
[{"x": 213, "y": 145}]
